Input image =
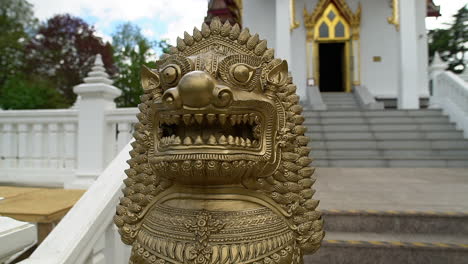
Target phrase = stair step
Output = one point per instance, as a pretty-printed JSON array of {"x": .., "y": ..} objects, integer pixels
[
  {"x": 370, "y": 248},
  {"x": 391, "y": 144},
  {"x": 373, "y": 113},
  {"x": 404, "y": 222},
  {"x": 428, "y": 153},
  {"x": 380, "y": 127},
  {"x": 391, "y": 162},
  {"x": 377, "y": 120},
  {"x": 450, "y": 134}
]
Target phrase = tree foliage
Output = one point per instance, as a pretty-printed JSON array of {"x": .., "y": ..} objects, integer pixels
[
  {"x": 131, "y": 51},
  {"x": 451, "y": 43},
  {"x": 21, "y": 92},
  {"x": 41, "y": 62},
  {"x": 16, "y": 25},
  {"x": 63, "y": 51}
]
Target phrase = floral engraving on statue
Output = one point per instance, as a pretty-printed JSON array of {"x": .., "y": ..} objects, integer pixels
[{"x": 203, "y": 227}]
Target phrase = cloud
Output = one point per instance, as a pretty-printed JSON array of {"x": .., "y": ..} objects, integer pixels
[
  {"x": 148, "y": 32},
  {"x": 177, "y": 15}
]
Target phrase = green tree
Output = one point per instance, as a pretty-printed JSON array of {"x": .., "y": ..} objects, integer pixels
[
  {"x": 63, "y": 51},
  {"x": 16, "y": 25},
  {"x": 131, "y": 51},
  {"x": 21, "y": 92},
  {"x": 451, "y": 42}
]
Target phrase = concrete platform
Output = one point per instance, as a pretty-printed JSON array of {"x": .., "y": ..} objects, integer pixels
[{"x": 398, "y": 189}]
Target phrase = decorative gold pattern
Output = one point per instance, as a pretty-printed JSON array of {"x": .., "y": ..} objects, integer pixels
[
  {"x": 219, "y": 171},
  {"x": 292, "y": 16},
  {"x": 394, "y": 19}
]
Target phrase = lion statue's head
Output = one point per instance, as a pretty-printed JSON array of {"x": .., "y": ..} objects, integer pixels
[{"x": 219, "y": 109}]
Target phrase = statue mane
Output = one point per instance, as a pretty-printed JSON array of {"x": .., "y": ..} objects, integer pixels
[{"x": 287, "y": 183}]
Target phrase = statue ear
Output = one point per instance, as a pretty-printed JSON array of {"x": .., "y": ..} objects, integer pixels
[
  {"x": 279, "y": 74},
  {"x": 149, "y": 79}
]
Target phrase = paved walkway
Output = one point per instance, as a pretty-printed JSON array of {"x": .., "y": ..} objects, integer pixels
[{"x": 399, "y": 189}]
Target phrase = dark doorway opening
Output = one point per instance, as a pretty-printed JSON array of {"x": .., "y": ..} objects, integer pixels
[{"x": 331, "y": 66}]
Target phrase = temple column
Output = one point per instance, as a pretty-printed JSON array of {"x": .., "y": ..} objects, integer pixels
[
  {"x": 283, "y": 34},
  {"x": 408, "y": 94},
  {"x": 356, "y": 46}
]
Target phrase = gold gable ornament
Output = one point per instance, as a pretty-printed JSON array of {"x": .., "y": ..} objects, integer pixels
[{"x": 219, "y": 171}]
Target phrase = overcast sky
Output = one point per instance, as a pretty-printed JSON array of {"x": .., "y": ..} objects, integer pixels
[{"x": 164, "y": 19}]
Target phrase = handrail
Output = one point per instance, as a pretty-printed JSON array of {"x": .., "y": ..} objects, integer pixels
[
  {"x": 450, "y": 93},
  {"x": 87, "y": 230},
  {"x": 39, "y": 116}
]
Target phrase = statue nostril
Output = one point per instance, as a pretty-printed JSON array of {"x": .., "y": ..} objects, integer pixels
[{"x": 224, "y": 98}]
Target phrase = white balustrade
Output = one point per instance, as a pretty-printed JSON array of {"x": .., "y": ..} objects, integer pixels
[
  {"x": 450, "y": 93},
  {"x": 37, "y": 147},
  {"x": 87, "y": 233},
  {"x": 67, "y": 147},
  {"x": 122, "y": 120}
]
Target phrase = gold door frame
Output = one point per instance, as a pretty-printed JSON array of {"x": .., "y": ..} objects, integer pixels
[{"x": 351, "y": 22}]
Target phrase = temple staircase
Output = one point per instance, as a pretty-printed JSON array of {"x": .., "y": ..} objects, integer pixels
[
  {"x": 389, "y": 183},
  {"x": 347, "y": 136}
]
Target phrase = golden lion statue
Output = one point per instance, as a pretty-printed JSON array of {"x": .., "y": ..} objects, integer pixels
[{"x": 220, "y": 169}]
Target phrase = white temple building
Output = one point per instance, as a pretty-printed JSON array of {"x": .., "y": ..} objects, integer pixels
[
  {"x": 345, "y": 45},
  {"x": 392, "y": 182}
]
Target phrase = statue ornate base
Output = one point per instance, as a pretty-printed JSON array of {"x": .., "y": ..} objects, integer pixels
[{"x": 220, "y": 169}]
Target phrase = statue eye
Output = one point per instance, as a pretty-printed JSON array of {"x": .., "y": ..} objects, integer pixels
[
  {"x": 242, "y": 73},
  {"x": 171, "y": 75}
]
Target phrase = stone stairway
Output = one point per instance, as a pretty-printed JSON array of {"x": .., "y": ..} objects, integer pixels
[
  {"x": 392, "y": 215},
  {"x": 383, "y": 237},
  {"x": 346, "y": 136},
  {"x": 340, "y": 100}
]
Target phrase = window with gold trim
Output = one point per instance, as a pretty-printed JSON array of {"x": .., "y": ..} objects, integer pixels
[{"x": 332, "y": 26}]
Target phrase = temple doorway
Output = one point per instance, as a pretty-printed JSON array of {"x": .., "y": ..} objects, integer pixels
[{"x": 331, "y": 67}]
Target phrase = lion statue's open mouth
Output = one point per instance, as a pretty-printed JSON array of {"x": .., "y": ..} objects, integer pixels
[{"x": 220, "y": 168}]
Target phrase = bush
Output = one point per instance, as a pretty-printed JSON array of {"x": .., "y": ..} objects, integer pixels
[{"x": 30, "y": 93}]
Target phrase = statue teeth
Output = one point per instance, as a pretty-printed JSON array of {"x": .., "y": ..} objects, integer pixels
[
  {"x": 198, "y": 140},
  {"x": 176, "y": 119},
  {"x": 212, "y": 140},
  {"x": 251, "y": 119},
  {"x": 245, "y": 118},
  {"x": 248, "y": 143},
  {"x": 239, "y": 119},
  {"x": 187, "y": 141},
  {"x": 210, "y": 118},
  {"x": 222, "y": 118},
  {"x": 222, "y": 140},
  {"x": 177, "y": 141},
  {"x": 257, "y": 120},
  {"x": 233, "y": 120},
  {"x": 231, "y": 140},
  {"x": 255, "y": 143},
  {"x": 242, "y": 142},
  {"x": 187, "y": 118},
  {"x": 199, "y": 118}
]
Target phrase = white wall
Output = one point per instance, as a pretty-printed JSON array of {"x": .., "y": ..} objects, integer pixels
[
  {"x": 259, "y": 17},
  {"x": 378, "y": 38}
]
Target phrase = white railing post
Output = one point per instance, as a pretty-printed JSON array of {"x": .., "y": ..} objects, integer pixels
[
  {"x": 437, "y": 67},
  {"x": 94, "y": 138},
  {"x": 37, "y": 145},
  {"x": 52, "y": 146},
  {"x": 23, "y": 146},
  {"x": 9, "y": 146}
]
